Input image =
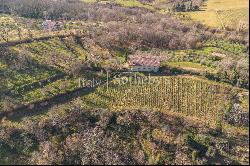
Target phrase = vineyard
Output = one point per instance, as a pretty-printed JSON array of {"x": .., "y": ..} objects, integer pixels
[
  {"x": 182, "y": 94},
  {"x": 68, "y": 95},
  {"x": 179, "y": 94},
  {"x": 53, "y": 60}
]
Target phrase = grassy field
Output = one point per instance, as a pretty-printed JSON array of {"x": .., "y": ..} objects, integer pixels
[
  {"x": 125, "y": 3},
  {"x": 223, "y": 13},
  {"x": 190, "y": 66},
  {"x": 35, "y": 83}
]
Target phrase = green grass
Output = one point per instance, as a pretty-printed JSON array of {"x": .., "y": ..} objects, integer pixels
[
  {"x": 55, "y": 88},
  {"x": 67, "y": 52},
  {"x": 190, "y": 66},
  {"x": 203, "y": 56},
  {"x": 125, "y": 3},
  {"x": 133, "y": 3},
  {"x": 13, "y": 80},
  {"x": 212, "y": 52},
  {"x": 227, "y": 46}
]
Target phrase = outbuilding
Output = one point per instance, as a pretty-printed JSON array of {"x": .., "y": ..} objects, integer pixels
[{"x": 145, "y": 63}]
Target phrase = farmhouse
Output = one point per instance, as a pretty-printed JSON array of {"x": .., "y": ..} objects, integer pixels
[
  {"x": 49, "y": 25},
  {"x": 145, "y": 63}
]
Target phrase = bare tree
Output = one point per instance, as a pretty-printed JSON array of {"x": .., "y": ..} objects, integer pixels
[
  {"x": 4, "y": 34},
  {"x": 19, "y": 33},
  {"x": 22, "y": 60},
  {"x": 8, "y": 104}
]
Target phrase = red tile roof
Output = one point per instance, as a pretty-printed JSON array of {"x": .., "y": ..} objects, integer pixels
[{"x": 147, "y": 61}]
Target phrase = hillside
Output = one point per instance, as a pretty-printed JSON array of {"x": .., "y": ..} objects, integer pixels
[
  {"x": 128, "y": 137},
  {"x": 68, "y": 94},
  {"x": 224, "y": 14},
  {"x": 214, "y": 13}
]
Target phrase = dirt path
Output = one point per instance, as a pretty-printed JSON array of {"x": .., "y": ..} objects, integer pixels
[{"x": 14, "y": 43}]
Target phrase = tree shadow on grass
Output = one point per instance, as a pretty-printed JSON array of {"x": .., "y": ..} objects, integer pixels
[{"x": 43, "y": 106}]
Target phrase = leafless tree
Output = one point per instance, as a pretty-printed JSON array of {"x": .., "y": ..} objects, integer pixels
[{"x": 4, "y": 34}]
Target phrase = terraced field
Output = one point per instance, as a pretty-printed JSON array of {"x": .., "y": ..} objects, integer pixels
[
  {"x": 69, "y": 97},
  {"x": 14, "y": 82},
  {"x": 45, "y": 77},
  {"x": 189, "y": 96},
  {"x": 54, "y": 57}
]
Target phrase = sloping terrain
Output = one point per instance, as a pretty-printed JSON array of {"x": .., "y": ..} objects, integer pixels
[
  {"x": 68, "y": 97},
  {"x": 224, "y": 14},
  {"x": 128, "y": 137}
]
